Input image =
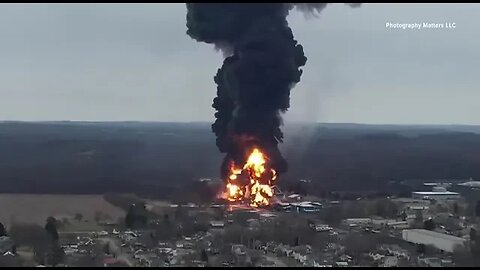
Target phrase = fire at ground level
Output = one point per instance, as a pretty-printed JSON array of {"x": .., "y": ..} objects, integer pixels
[{"x": 251, "y": 183}]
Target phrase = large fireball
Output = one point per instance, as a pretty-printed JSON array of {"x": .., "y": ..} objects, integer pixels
[{"x": 257, "y": 189}]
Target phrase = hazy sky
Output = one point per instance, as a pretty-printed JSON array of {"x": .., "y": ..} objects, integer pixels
[{"x": 135, "y": 62}]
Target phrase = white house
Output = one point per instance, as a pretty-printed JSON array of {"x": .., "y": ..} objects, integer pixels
[{"x": 436, "y": 195}]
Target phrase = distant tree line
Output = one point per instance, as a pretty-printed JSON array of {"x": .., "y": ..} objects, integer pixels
[{"x": 159, "y": 160}]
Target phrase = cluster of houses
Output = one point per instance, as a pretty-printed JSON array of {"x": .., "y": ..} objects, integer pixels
[
  {"x": 178, "y": 253},
  {"x": 389, "y": 256},
  {"x": 76, "y": 248},
  {"x": 377, "y": 223},
  {"x": 301, "y": 254}
]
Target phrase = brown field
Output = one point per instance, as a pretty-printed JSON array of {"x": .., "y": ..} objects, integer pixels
[{"x": 35, "y": 208}]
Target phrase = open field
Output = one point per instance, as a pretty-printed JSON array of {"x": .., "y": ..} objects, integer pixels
[{"x": 35, "y": 208}]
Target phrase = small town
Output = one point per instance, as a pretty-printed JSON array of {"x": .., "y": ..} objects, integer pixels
[
  {"x": 239, "y": 135},
  {"x": 428, "y": 229}
]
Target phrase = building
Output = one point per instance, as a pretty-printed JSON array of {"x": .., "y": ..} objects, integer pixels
[
  {"x": 382, "y": 221},
  {"x": 418, "y": 207},
  {"x": 218, "y": 224},
  {"x": 430, "y": 262},
  {"x": 471, "y": 184},
  {"x": 266, "y": 215},
  {"x": 439, "y": 192},
  {"x": 306, "y": 207},
  {"x": 294, "y": 197},
  {"x": 398, "y": 225},
  {"x": 441, "y": 241},
  {"x": 322, "y": 228},
  {"x": 436, "y": 195},
  {"x": 358, "y": 221},
  {"x": 282, "y": 206},
  {"x": 437, "y": 184},
  {"x": 299, "y": 207}
]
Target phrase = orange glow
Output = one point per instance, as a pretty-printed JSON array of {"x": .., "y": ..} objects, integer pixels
[{"x": 259, "y": 190}]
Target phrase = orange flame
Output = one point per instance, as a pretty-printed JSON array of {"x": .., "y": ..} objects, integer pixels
[{"x": 259, "y": 189}]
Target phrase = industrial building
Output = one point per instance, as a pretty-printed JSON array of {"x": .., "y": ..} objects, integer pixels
[
  {"x": 300, "y": 207},
  {"x": 398, "y": 225},
  {"x": 306, "y": 207},
  {"x": 471, "y": 184},
  {"x": 438, "y": 193},
  {"x": 441, "y": 241},
  {"x": 357, "y": 221},
  {"x": 437, "y": 184}
]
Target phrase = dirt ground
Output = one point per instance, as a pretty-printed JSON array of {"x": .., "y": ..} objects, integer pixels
[{"x": 35, "y": 208}]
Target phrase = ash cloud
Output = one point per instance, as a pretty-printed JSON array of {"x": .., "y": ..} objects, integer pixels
[{"x": 262, "y": 65}]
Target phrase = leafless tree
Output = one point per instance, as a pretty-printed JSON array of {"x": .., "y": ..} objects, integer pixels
[
  {"x": 357, "y": 244},
  {"x": 78, "y": 217},
  {"x": 31, "y": 235}
]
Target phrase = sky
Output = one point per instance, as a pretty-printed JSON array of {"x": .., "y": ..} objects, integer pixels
[{"x": 116, "y": 62}]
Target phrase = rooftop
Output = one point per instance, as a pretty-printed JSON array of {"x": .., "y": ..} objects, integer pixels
[
  {"x": 436, "y": 234},
  {"x": 471, "y": 184},
  {"x": 435, "y": 193},
  {"x": 217, "y": 223},
  {"x": 305, "y": 204}
]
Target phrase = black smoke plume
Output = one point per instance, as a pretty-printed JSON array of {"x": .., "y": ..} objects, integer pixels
[{"x": 263, "y": 63}]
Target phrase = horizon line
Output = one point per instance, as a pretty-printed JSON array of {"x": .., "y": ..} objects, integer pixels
[{"x": 209, "y": 122}]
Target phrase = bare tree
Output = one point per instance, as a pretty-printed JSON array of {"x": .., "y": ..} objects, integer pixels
[
  {"x": 3, "y": 231},
  {"x": 98, "y": 215},
  {"x": 333, "y": 215},
  {"x": 31, "y": 235},
  {"x": 357, "y": 244},
  {"x": 78, "y": 217},
  {"x": 51, "y": 228},
  {"x": 55, "y": 255},
  {"x": 234, "y": 234}
]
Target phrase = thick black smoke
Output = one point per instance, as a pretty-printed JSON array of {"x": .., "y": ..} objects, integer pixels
[{"x": 262, "y": 65}]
